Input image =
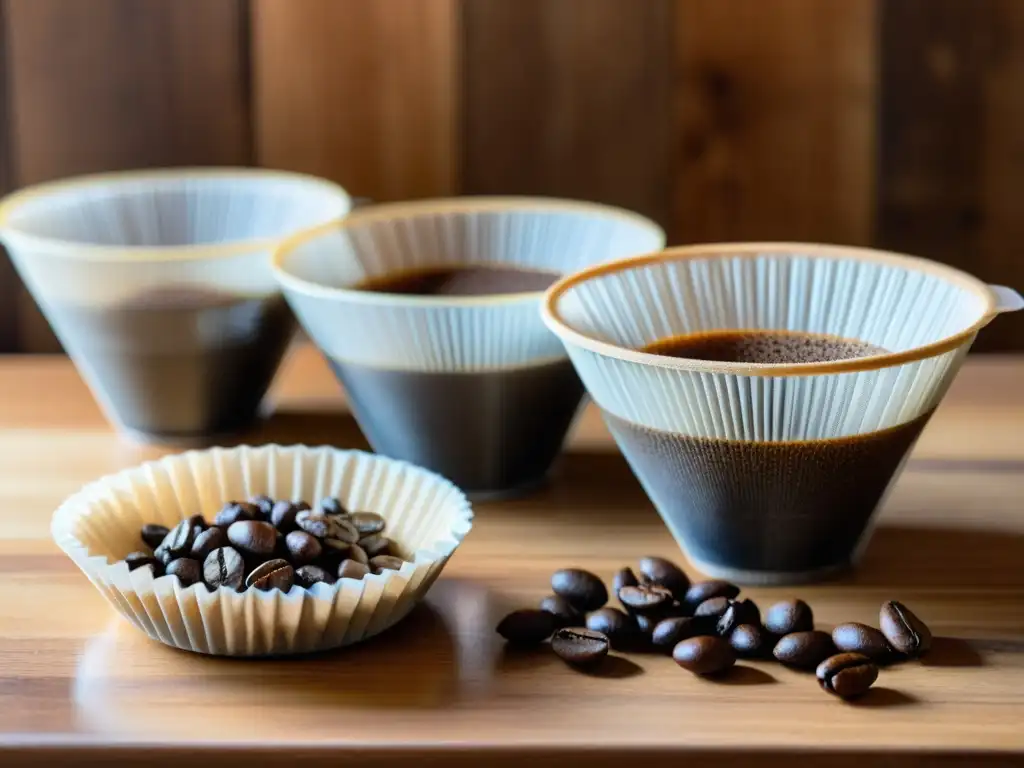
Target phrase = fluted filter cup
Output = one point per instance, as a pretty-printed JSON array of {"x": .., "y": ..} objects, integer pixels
[
  {"x": 426, "y": 519},
  {"x": 472, "y": 387},
  {"x": 770, "y": 473},
  {"x": 158, "y": 284}
]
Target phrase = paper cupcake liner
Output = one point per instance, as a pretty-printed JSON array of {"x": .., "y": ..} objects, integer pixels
[{"x": 427, "y": 517}]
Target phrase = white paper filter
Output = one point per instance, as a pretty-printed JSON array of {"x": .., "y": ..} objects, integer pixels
[{"x": 427, "y": 517}]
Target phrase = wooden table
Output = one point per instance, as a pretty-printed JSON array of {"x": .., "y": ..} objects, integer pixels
[{"x": 78, "y": 683}]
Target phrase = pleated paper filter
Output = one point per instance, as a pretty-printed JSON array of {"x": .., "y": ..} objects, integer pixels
[{"x": 770, "y": 472}]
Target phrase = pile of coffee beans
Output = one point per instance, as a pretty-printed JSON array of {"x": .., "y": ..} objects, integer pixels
[
  {"x": 706, "y": 627},
  {"x": 267, "y": 544}
]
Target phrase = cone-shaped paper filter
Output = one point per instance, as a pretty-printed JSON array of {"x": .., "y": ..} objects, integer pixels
[
  {"x": 158, "y": 284},
  {"x": 769, "y": 472},
  {"x": 473, "y": 387}
]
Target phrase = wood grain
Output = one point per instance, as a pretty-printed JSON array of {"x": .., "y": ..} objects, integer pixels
[
  {"x": 569, "y": 98},
  {"x": 362, "y": 93},
  {"x": 78, "y": 683},
  {"x": 775, "y": 107}
]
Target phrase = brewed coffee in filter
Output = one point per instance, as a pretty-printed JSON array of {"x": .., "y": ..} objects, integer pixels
[{"x": 766, "y": 396}]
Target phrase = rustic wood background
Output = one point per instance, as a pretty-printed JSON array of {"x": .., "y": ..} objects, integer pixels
[{"x": 898, "y": 123}]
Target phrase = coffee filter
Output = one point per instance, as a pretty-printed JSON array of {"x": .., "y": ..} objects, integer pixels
[
  {"x": 427, "y": 517},
  {"x": 317, "y": 269}
]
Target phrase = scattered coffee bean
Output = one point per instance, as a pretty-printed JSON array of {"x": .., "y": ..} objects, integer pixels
[
  {"x": 527, "y": 627},
  {"x": 562, "y": 610},
  {"x": 341, "y": 535},
  {"x": 904, "y": 631},
  {"x": 645, "y": 625},
  {"x": 706, "y": 590},
  {"x": 624, "y": 578},
  {"x": 713, "y": 608},
  {"x": 618, "y": 627},
  {"x": 804, "y": 650},
  {"x": 282, "y": 516},
  {"x": 224, "y": 567},
  {"x": 581, "y": 588},
  {"x": 153, "y": 535},
  {"x": 273, "y": 574},
  {"x": 352, "y": 569},
  {"x": 788, "y": 617},
  {"x": 704, "y": 655},
  {"x": 302, "y": 548},
  {"x": 253, "y": 537},
  {"x": 664, "y": 573},
  {"x": 314, "y": 523},
  {"x": 386, "y": 563},
  {"x": 308, "y": 575},
  {"x": 233, "y": 512},
  {"x": 738, "y": 612},
  {"x": 846, "y": 675},
  {"x": 333, "y": 506},
  {"x": 178, "y": 542},
  {"x": 668, "y": 633},
  {"x": 750, "y": 641},
  {"x": 142, "y": 559},
  {"x": 375, "y": 544},
  {"x": 264, "y": 504},
  {"x": 860, "y": 638},
  {"x": 580, "y": 647},
  {"x": 186, "y": 569},
  {"x": 367, "y": 522},
  {"x": 645, "y": 598},
  {"x": 207, "y": 541}
]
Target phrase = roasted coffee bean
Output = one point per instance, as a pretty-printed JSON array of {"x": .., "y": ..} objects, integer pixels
[
  {"x": 704, "y": 655},
  {"x": 646, "y": 598},
  {"x": 367, "y": 522},
  {"x": 206, "y": 542},
  {"x": 333, "y": 506},
  {"x": 561, "y": 609},
  {"x": 302, "y": 548},
  {"x": 162, "y": 555},
  {"x": 234, "y": 511},
  {"x": 617, "y": 626},
  {"x": 348, "y": 552},
  {"x": 273, "y": 574},
  {"x": 664, "y": 573},
  {"x": 738, "y": 612},
  {"x": 341, "y": 535},
  {"x": 382, "y": 563},
  {"x": 282, "y": 516},
  {"x": 712, "y": 609},
  {"x": 788, "y": 617},
  {"x": 352, "y": 569},
  {"x": 198, "y": 523},
  {"x": 264, "y": 504},
  {"x": 706, "y": 590},
  {"x": 253, "y": 537},
  {"x": 646, "y": 625},
  {"x": 224, "y": 567},
  {"x": 846, "y": 675},
  {"x": 527, "y": 626},
  {"x": 904, "y": 631},
  {"x": 314, "y": 523},
  {"x": 154, "y": 535},
  {"x": 581, "y": 588},
  {"x": 750, "y": 641},
  {"x": 580, "y": 647},
  {"x": 308, "y": 575},
  {"x": 141, "y": 560},
  {"x": 375, "y": 544},
  {"x": 860, "y": 638},
  {"x": 186, "y": 569},
  {"x": 624, "y": 578},
  {"x": 178, "y": 542},
  {"x": 668, "y": 633},
  {"x": 804, "y": 650}
]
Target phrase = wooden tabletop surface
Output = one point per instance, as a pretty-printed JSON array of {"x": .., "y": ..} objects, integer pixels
[{"x": 79, "y": 684}]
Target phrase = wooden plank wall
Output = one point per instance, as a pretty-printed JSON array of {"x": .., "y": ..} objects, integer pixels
[{"x": 897, "y": 123}]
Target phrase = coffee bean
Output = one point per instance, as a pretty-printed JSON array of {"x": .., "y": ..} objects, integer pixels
[
  {"x": 846, "y": 675},
  {"x": 664, "y": 573},
  {"x": 580, "y": 647},
  {"x": 352, "y": 569},
  {"x": 198, "y": 523},
  {"x": 282, "y": 516},
  {"x": 273, "y": 574},
  {"x": 308, "y": 575},
  {"x": 860, "y": 638},
  {"x": 581, "y": 588},
  {"x": 367, "y": 522},
  {"x": 178, "y": 542},
  {"x": 646, "y": 625},
  {"x": 234, "y": 511},
  {"x": 314, "y": 523},
  {"x": 788, "y": 617},
  {"x": 186, "y": 569},
  {"x": 624, "y": 578},
  {"x": 646, "y": 598},
  {"x": 382, "y": 563},
  {"x": 375, "y": 544},
  {"x": 804, "y": 650},
  {"x": 668, "y": 633},
  {"x": 333, "y": 506},
  {"x": 154, "y": 535},
  {"x": 527, "y": 627},
  {"x": 619, "y": 628},
  {"x": 704, "y": 655},
  {"x": 163, "y": 555},
  {"x": 302, "y": 548},
  {"x": 206, "y": 542},
  {"x": 141, "y": 560},
  {"x": 750, "y": 641},
  {"x": 253, "y": 537},
  {"x": 349, "y": 552},
  {"x": 738, "y": 612},
  {"x": 224, "y": 567},
  {"x": 264, "y": 504},
  {"x": 904, "y": 631},
  {"x": 341, "y": 535},
  {"x": 713, "y": 608},
  {"x": 562, "y": 610},
  {"x": 706, "y": 590}
]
